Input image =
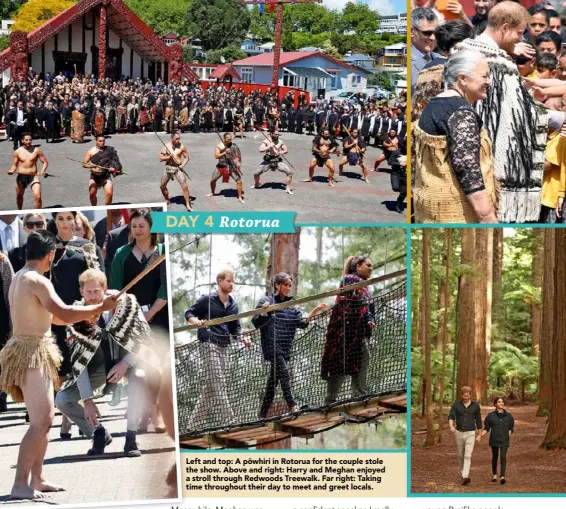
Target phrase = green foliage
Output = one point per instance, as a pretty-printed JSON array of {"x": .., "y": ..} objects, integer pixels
[
  {"x": 518, "y": 369},
  {"x": 163, "y": 16},
  {"x": 188, "y": 54},
  {"x": 384, "y": 79},
  {"x": 360, "y": 18},
  {"x": 218, "y": 23},
  {"x": 4, "y": 42},
  {"x": 9, "y": 7},
  {"x": 230, "y": 53}
]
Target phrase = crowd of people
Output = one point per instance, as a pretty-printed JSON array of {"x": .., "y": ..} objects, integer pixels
[
  {"x": 60, "y": 278},
  {"x": 488, "y": 114},
  {"x": 49, "y": 107},
  {"x": 345, "y": 351}
]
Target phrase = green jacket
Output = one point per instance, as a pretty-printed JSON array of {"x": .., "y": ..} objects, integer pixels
[{"x": 116, "y": 281}]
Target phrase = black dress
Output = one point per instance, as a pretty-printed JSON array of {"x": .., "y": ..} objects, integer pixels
[
  {"x": 52, "y": 128},
  {"x": 208, "y": 124},
  {"x": 300, "y": 119},
  {"x": 292, "y": 119}
]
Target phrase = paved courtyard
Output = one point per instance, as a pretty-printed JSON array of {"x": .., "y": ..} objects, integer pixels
[
  {"x": 351, "y": 200},
  {"x": 110, "y": 478}
]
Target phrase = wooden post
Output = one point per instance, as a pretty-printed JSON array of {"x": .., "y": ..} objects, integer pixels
[{"x": 102, "y": 42}]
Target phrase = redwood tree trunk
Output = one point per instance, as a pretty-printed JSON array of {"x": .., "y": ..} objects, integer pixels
[
  {"x": 536, "y": 313},
  {"x": 466, "y": 315},
  {"x": 482, "y": 261},
  {"x": 556, "y": 432},
  {"x": 447, "y": 252},
  {"x": 547, "y": 335},
  {"x": 497, "y": 274},
  {"x": 425, "y": 325}
]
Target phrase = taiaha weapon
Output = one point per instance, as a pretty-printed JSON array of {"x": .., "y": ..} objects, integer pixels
[
  {"x": 141, "y": 275},
  {"x": 228, "y": 152},
  {"x": 175, "y": 162},
  {"x": 282, "y": 155},
  {"x": 3, "y": 172},
  {"x": 90, "y": 165},
  {"x": 350, "y": 135}
]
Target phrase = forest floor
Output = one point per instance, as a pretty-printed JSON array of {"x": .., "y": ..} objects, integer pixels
[{"x": 530, "y": 469}]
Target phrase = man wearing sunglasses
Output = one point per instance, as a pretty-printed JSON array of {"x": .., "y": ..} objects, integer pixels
[
  {"x": 423, "y": 41},
  {"x": 31, "y": 222}
]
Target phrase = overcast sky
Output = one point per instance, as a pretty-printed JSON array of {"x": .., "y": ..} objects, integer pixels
[{"x": 382, "y": 6}]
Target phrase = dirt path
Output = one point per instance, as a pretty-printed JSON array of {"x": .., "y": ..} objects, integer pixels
[{"x": 529, "y": 468}]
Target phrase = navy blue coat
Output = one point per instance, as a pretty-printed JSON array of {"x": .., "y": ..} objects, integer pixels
[
  {"x": 499, "y": 427},
  {"x": 278, "y": 328}
]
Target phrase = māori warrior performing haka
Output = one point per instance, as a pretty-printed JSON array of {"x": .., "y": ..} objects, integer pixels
[
  {"x": 229, "y": 165},
  {"x": 272, "y": 160},
  {"x": 103, "y": 162},
  {"x": 25, "y": 166},
  {"x": 30, "y": 360},
  {"x": 322, "y": 147},
  {"x": 175, "y": 156},
  {"x": 354, "y": 151}
]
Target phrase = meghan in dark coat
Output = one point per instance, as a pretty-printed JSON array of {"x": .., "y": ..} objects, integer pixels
[
  {"x": 499, "y": 424},
  {"x": 351, "y": 323},
  {"x": 277, "y": 330}
]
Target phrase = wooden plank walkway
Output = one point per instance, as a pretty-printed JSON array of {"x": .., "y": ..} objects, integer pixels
[{"x": 304, "y": 426}]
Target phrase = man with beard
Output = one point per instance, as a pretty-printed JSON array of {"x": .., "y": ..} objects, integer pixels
[
  {"x": 322, "y": 147},
  {"x": 272, "y": 160},
  {"x": 354, "y": 151},
  {"x": 25, "y": 165},
  {"x": 105, "y": 351},
  {"x": 175, "y": 156},
  {"x": 479, "y": 19},
  {"x": 103, "y": 162},
  {"x": 229, "y": 165},
  {"x": 514, "y": 121}
]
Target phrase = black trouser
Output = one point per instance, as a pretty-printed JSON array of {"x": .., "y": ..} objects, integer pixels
[
  {"x": 494, "y": 452},
  {"x": 17, "y": 133},
  {"x": 278, "y": 374}
]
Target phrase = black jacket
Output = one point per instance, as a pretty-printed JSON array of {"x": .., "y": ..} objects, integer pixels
[
  {"x": 208, "y": 307},
  {"x": 499, "y": 427},
  {"x": 278, "y": 328}
]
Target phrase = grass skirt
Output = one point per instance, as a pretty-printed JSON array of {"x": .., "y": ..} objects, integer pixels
[{"x": 22, "y": 353}]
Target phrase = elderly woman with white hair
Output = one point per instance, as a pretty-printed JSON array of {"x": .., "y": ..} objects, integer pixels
[{"x": 453, "y": 163}]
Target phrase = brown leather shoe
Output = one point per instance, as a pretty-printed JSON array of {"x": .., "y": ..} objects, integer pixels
[{"x": 466, "y": 480}]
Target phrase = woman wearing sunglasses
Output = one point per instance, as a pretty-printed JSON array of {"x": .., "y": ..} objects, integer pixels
[{"x": 32, "y": 222}]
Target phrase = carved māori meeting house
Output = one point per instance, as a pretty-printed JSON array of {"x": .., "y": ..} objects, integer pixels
[{"x": 104, "y": 37}]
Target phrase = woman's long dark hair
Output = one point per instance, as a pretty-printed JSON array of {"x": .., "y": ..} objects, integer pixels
[
  {"x": 351, "y": 265},
  {"x": 52, "y": 226},
  {"x": 145, "y": 214},
  {"x": 279, "y": 279}
]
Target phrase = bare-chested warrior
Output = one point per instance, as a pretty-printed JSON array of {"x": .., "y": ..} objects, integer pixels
[
  {"x": 103, "y": 162},
  {"x": 30, "y": 360},
  {"x": 354, "y": 151},
  {"x": 25, "y": 166},
  {"x": 322, "y": 147},
  {"x": 229, "y": 165},
  {"x": 175, "y": 156},
  {"x": 272, "y": 160}
]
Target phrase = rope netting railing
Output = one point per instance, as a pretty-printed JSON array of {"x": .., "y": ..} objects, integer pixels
[{"x": 293, "y": 363}]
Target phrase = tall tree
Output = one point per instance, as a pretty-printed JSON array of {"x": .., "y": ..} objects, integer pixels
[
  {"x": 536, "y": 313},
  {"x": 360, "y": 18},
  {"x": 317, "y": 266},
  {"x": 498, "y": 273},
  {"x": 556, "y": 432},
  {"x": 547, "y": 335},
  {"x": 481, "y": 296},
  {"x": 445, "y": 314},
  {"x": 425, "y": 313},
  {"x": 466, "y": 313},
  {"x": 163, "y": 16},
  {"x": 218, "y": 23}
]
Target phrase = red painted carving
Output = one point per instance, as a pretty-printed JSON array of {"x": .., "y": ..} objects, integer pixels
[
  {"x": 189, "y": 74},
  {"x": 19, "y": 51},
  {"x": 102, "y": 43},
  {"x": 175, "y": 63}
]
